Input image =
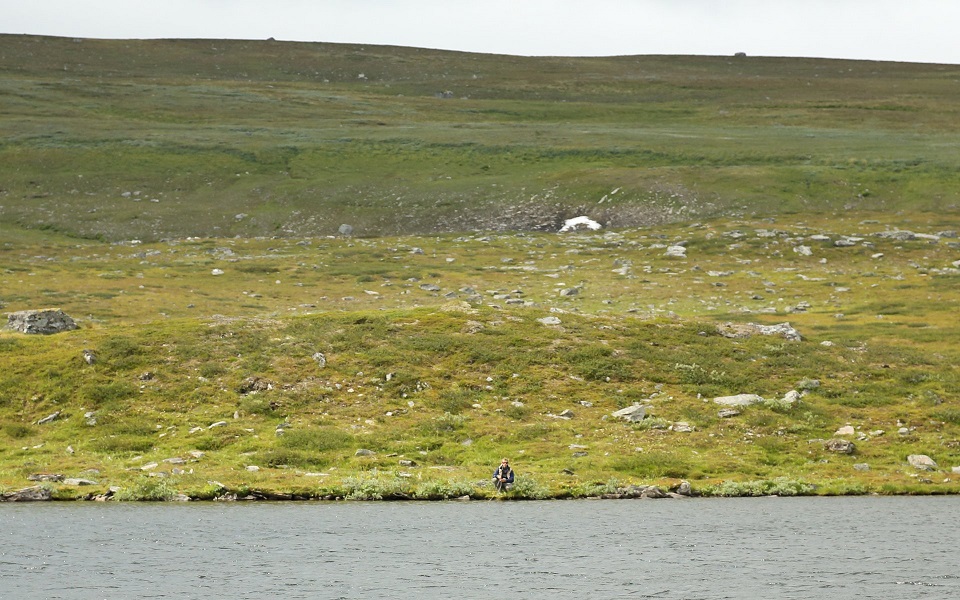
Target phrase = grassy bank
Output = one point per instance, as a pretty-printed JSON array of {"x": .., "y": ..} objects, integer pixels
[{"x": 436, "y": 360}]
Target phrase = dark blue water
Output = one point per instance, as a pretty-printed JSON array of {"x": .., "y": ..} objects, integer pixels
[{"x": 837, "y": 548}]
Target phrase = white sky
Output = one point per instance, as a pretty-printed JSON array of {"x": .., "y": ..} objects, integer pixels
[{"x": 901, "y": 30}]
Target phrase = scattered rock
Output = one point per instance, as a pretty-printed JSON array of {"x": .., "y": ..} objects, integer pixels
[
  {"x": 78, "y": 482},
  {"x": 652, "y": 491},
  {"x": 568, "y": 292},
  {"x": 803, "y": 250},
  {"x": 89, "y": 357},
  {"x": 846, "y": 430},
  {"x": 727, "y": 413},
  {"x": 472, "y": 327},
  {"x": 921, "y": 462},
  {"x": 364, "y": 452},
  {"x": 217, "y": 424},
  {"x": 839, "y": 445},
  {"x": 49, "y": 418},
  {"x": 861, "y": 467},
  {"x": 252, "y": 385},
  {"x": 676, "y": 252},
  {"x": 634, "y": 414},
  {"x": 321, "y": 359},
  {"x": 684, "y": 489},
  {"x": 791, "y": 397},
  {"x": 407, "y": 463},
  {"x": 216, "y": 272},
  {"x": 42, "y": 322},
  {"x": 345, "y": 229},
  {"x": 745, "y": 330},
  {"x": 567, "y": 414},
  {"x": 549, "y": 320},
  {"x": 682, "y": 427},
  {"x": 429, "y": 287},
  {"x": 897, "y": 235},
  {"x": 738, "y": 400},
  {"x": 54, "y": 477},
  {"x": 808, "y": 384}
]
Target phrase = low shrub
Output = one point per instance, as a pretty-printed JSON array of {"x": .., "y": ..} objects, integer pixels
[
  {"x": 121, "y": 444},
  {"x": 17, "y": 431},
  {"x": 443, "y": 490},
  {"x": 780, "y": 486},
  {"x": 152, "y": 489},
  {"x": 370, "y": 488},
  {"x": 285, "y": 457},
  {"x": 529, "y": 489},
  {"x": 445, "y": 423},
  {"x": 653, "y": 465},
  {"x": 457, "y": 400},
  {"x": 948, "y": 415},
  {"x": 323, "y": 439},
  {"x": 111, "y": 391}
]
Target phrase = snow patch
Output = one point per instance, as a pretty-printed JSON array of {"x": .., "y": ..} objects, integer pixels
[{"x": 579, "y": 223}]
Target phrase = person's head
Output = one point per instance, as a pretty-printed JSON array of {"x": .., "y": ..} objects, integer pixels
[{"x": 505, "y": 463}]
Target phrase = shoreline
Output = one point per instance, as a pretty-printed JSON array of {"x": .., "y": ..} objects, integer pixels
[{"x": 757, "y": 489}]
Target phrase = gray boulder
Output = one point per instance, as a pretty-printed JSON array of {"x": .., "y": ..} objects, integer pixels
[
  {"x": 840, "y": 446},
  {"x": 49, "y": 418},
  {"x": 738, "y": 400},
  {"x": 30, "y": 494},
  {"x": 43, "y": 322},
  {"x": 745, "y": 330},
  {"x": 676, "y": 252},
  {"x": 54, "y": 477},
  {"x": 791, "y": 397},
  {"x": 78, "y": 481},
  {"x": 634, "y": 414},
  {"x": 921, "y": 462},
  {"x": 899, "y": 235}
]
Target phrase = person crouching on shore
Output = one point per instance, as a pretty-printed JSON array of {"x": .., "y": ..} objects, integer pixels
[{"x": 503, "y": 476}]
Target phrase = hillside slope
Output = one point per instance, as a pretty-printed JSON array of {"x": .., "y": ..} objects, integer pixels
[
  {"x": 405, "y": 367},
  {"x": 147, "y": 139}
]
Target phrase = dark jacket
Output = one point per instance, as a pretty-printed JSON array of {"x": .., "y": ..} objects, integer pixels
[{"x": 508, "y": 475}]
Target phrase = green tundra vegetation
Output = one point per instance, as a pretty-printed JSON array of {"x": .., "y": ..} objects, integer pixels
[{"x": 183, "y": 200}]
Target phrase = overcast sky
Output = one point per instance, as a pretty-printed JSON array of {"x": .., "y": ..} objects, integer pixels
[{"x": 901, "y": 30}]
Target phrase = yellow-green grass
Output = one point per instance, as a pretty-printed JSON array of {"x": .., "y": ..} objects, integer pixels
[{"x": 433, "y": 376}]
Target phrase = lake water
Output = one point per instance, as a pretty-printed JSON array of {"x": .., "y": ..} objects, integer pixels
[{"x": 837, "y": 548}]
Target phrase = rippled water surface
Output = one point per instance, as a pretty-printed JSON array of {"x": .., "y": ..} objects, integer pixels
[{"x": 834, "y": 548}]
